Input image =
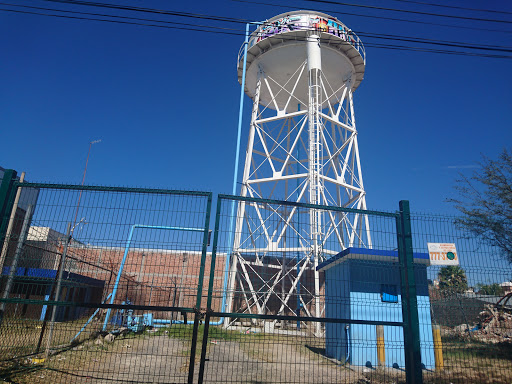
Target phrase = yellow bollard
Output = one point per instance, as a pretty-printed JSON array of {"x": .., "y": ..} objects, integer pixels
[
  {"x": 381, "y": 349},
  {"x": 438, "y": 347}
]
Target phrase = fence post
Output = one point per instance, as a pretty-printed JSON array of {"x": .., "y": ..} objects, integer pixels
[
  {"x": 197, "y": 308},
  {"x": 7, "y": 235},
  {"x": 409, "y": 299},
  {"x": 60, "y": 273},
  {"x": 210, "y": 292},
  {"x": 14, "y": 266},
  {"x": 7, "y": 193}
]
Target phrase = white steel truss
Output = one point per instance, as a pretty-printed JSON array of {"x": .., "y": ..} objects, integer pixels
[{"x": 311, "y": 156}]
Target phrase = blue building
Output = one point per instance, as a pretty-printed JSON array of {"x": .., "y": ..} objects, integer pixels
[{"x": 364, "y": 284}]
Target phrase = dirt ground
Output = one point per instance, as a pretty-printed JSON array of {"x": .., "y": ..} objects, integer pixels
[
  {"x": 164, "y": 359},
  {"x": 233, "y": 357},
  {"x": 236, "y": 362},
  {"x": 158, "y": 359}
]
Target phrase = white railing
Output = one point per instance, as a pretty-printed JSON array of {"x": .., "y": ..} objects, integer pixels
[{"x": 315, "y": 23}]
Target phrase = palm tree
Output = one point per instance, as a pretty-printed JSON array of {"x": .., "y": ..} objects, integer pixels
[{"x": 453, "y": 278}]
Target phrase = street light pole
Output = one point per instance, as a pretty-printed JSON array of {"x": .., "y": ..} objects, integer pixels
[{"x": 83, "y": 180}]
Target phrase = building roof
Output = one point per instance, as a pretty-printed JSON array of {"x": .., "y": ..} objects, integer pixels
[
  {"x": 44, "y": 234},
  {"x": 369, "y": 255},
  {"x": 48, "y": 275}
]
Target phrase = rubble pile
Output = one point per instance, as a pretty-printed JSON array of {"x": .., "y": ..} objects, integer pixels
[{"x": 494, "y": 326}]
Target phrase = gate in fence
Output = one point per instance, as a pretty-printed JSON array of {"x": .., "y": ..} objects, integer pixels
[{"x": 110, "y": 285}]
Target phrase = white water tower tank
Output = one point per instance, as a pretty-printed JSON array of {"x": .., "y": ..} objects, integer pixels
[{"x": 277, "y": 48}]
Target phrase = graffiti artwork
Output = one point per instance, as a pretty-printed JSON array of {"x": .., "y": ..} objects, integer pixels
[{"x": 303, "y": 22}]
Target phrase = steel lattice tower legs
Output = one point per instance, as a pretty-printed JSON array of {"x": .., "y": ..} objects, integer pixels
[{"x": 309, "y": 154}]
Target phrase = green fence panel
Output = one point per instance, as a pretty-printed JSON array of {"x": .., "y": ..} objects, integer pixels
[
  {"x": 127, "y": 301},
  {"x": 287, "y": 292},
  {"x": 275, "y": 314},
  {"x": 470, "y": 303},
  {"x": 409, "y": 297}
]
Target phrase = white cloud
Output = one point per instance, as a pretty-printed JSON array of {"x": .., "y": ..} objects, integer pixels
[{"x": 462, "y": 166}]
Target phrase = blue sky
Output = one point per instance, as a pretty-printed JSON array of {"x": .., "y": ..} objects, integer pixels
[{"x": 165, "y": 102}]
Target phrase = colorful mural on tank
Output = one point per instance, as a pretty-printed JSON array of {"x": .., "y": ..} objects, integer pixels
[{"x": 303, "y": 22}]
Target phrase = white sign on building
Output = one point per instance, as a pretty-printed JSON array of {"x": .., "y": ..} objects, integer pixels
[{"x": 442, "y": 254}]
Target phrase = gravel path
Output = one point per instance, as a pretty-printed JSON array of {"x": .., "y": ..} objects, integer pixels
[
  {"x": 161, "y": 359},
  {"x": 271, "y": 363},
  {"x": 156, "y": 359}
]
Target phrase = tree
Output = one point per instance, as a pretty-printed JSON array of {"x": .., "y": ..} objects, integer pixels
[
  {"x": 453, "y": 278},
  {"x": 486, "y": 202},
  {"x": 490, "y": 289}
]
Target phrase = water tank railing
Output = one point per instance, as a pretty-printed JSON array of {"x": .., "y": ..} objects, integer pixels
[
  {"x": 360, "y": 47},
  {"x": 240, "y": 54},
  {"x": 348, "y": 36}
]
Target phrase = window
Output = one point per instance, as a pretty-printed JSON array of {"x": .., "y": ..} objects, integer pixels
[{"x": 389, "y": 293}]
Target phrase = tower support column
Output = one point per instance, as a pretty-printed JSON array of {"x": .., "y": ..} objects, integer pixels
[
  {"x": 302, "y": 147},
  {"x": 241, "y": 207},
  {"x": 314, "y": 59}
]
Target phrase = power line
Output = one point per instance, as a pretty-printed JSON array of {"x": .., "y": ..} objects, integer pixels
[
  {"x": 371, "y": 35},
  {"x": 201, "y": 29},
  {"x": 152, "y": 10},
  {"x": 142, "y": 9},
  {"x": 113, "y": 16},
  {"x": 472, "y": 28},
  {"x": 230, "y": 19},
  {"x": 222, "y": 18},
  {"x": 454, "y": 7},
  {"x": 409, "y": 11},
  {"x": 238, "y": 20},
  {"x": 435, "y": 42},
  {"x": 122, "y": 22},
  {"x": 430, "y": 50}
]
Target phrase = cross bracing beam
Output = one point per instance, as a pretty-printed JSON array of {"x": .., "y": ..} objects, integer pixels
[{"x": 300, "y": 149}]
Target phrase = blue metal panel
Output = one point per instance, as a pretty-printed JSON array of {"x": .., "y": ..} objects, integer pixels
[
  {"x": 363, "y": 345},
  {"x": 389, "y": 293},
  {"x": 394, "y": 345},
  {"x": 353, "y": 290},
  {"x": 45, "y": 307},
  {"x": 426, "y": 338},
  {"x": 364, "y": 337},
  {"x": 41, "y": 273},
  {"x": 337, "y": 305}
]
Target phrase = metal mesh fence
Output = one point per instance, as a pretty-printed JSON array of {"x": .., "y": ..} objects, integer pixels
[
  {"x": 470, "y": 305},
  {"x": 121, "y": 285},
  {"x": 302, "y": 306},
  {"x": 124, "y": 268}
]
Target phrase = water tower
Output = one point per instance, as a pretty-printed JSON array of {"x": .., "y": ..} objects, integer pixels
[{"x": 302, "y": 68}]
